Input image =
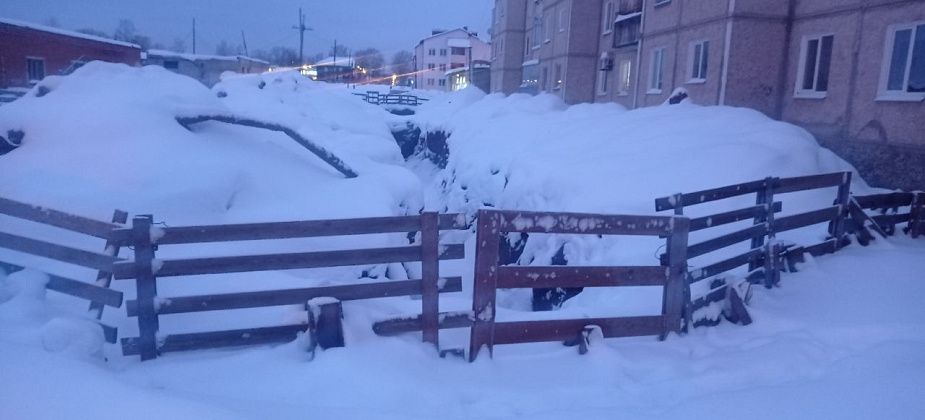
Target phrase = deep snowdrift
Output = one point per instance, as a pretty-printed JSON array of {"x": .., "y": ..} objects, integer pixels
[{"x": 106, "y": 137}]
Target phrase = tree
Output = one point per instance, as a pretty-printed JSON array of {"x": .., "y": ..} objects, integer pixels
[
  {"x": 179, "y": 45},
  {"x": 402, "y": 62},
  {"x": 340, "y": 50},
  {"x": 125, "y": 31},
  {"x": 372, "y": 60},
  {"x": 224, "y": 48},
  {"x": 53, "y": 22},
  {"x": 283, "y": 56},
  {"x": 315, "y": 58}
]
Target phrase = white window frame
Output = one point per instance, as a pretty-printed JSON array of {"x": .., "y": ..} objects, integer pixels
[
  {"x": 704, "y": 61},
  {"x": 661, "y": 2},
  {"x": 624, "y": 74},
  {"x": 563, "y": 20},
  {"x": 607, "y": 18},
  {"x": 656, "y": 71},
  {"x": 898, "y": 95},
  {"x": 812, "y": 93},
  {"x": 602, "y": 82},
  {"x": 44, "y": 68}
]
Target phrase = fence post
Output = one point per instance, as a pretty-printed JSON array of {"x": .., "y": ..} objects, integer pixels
[
  {"x": 917, "y": 215},
  {"x": 838, "y": 222},
  {"x": 103, "y": 277},
  {"x": 430, "y": 273},
  {"x": 761, "y": 197},
  {"x": 488, "y": 240},
  {"x": 676, "y": 285},
  {"x": 146, "y": 286}
]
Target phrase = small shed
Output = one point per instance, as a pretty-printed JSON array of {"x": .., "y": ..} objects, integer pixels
[{"x": 205, "y": 68}]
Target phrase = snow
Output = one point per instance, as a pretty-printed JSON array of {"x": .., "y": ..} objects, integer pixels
[
  {"x": 841, "y": 338},
  {"x": 59, "y": 31},
  {"x": 200, "y": 57}
]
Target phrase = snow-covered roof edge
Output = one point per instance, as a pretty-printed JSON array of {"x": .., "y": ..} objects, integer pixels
[
  {"x": 65, "y": 32},
  {"x": 195, "y": 57},
  {"x": 449, "y": 32}
]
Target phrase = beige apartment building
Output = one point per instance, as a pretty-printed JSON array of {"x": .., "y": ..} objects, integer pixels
[{"x": 852, "y": 72}]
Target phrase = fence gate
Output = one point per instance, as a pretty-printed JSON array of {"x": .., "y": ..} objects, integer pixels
[{"x": 489, "y": 276}]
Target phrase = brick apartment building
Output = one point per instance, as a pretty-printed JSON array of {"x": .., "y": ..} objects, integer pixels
[
  {"x": 29, "y": 52},
  {"x": 852, "y": 72}
]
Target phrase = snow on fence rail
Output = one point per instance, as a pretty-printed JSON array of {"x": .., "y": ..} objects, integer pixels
[
  {"x": 98, "y": 293},
  {"x": 145, "y": 269}
]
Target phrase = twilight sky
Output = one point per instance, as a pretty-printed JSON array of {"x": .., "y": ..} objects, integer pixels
[{"x": 389, "y": 25}]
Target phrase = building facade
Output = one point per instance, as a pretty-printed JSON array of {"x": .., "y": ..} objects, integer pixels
[
  {"x": 207, "y": 69},
  {"x": 851, "y": 72},
  {"x": 445, "y": 52},
  {"x": 29, "y": 52}
]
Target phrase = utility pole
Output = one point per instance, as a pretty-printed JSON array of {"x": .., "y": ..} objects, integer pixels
[
  {"x": 194, "y": 35},
  {"x": 334, "y": 63},
  {"x": 244, "y": 40},
  {"x": 301, "y": 28}
]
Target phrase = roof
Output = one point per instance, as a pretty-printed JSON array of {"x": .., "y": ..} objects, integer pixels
[
  {"x": 201, "y": 57},
  {"x": 64, "y": 32},
  {"x": 447, "y": 33},
  {"x": 341, "y": 62}
]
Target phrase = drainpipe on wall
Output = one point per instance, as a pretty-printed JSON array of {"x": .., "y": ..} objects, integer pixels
[
  {"x": 725, "y": 73},
  {"x": 642, "y": 38},
  {"x": 785, "y": 65}
]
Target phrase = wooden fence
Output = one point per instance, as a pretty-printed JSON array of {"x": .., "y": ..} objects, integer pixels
[
  {"x": 489, "y": 276},
  {"x": 765, "y": 256},
  {"x": 98, "y": 293},
  {"x": 377, "y": 98},
  {"x": 885, "y": 211},
  {"x": 145, "y": 269}
]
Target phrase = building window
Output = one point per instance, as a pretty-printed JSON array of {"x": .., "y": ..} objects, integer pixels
[
  {"x": 557, "y": 79},
  {"x": 171, "y": 64},
  {"x": 563, "y": 20},
  {"x": 625, "y": 74},
  {"x": 627, "y": 29},
  {"x": 813, "y": 69},
  {"x": 537, "y": 31},
  {"x": 698, "y": 57},
  {"x": 456, "y": 65},
  {"x": 903, "y": 73},
  {"x": 549, "y": 28},
  {"x": 431, "y": 52},
  {"x": 607, "y": 22},
  {"x": 655, "y": 71},
  {"x": 530, "y": 77},
  {"x": 441, "y": 82},
  {"x": 457, "y": 51},
  {"x": 431, "y": 66},
  {"x": 430, "y": 82},
  {"x": 443, "y": 67},
  {"x": 35, "y": 68},
  {"x": 443, "y": 52}
]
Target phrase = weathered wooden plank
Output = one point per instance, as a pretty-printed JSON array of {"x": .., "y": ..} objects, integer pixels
[
  {"x": 93, "y": 293},
  {"x": 488, "y": 240},
  {"x": 726, "y": 265},
  {"x": 582, "y": 223},
  {"x": 452, "y": 221},
  {"x": 822, "y": 248},
  {"x": 887, "y": 221},
  {"x": 565, "y": 276},
  {"x": 885, "y": 201},
  {"x": 145, "y": 287},
  {"x": 263, "y": 298},
  {"x": 719, "y": 219},
  {"x": 56, "y": 218},
  {"x": 917, "y": 216},
  {"x": 713, "y": 194},
  {"x": 319, "y": 151},
  {"x": 411, "y": 324},
  {"x": 728, "y": 239},
  {"x": 810, "y": 182},
  {"x": 56, "y": 252},
  {"x": 676, "y": 293},
  {"x": 271, "y": 262},
  {"x": 797, "y": 221},
  {"x": 218, "y": 339},
  {"x": 104, "y": 277},
  {"x": 430, "y": 271},
  {"x": 566, "y": 329}
]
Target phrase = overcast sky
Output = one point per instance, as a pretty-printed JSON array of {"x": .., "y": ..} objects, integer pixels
[{"x": 389, "y": 25}]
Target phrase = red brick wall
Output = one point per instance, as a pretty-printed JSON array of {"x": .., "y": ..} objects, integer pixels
[{"x": 17, "y": 43}]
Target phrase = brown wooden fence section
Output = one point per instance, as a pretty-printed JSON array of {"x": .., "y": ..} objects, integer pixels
[
  {"x": 145, "y": 269},
  {"x": 98, "y": 293},
  {"x": 765, "y": 256},
  {"x": 489, "y": 276},
  {"x": 883, "y": 212}
]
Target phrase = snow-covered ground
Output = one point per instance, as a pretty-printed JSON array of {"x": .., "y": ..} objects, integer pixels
[{"x": 837, "y": 339}]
